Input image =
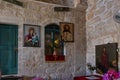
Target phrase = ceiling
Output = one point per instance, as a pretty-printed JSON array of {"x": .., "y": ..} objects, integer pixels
[
  {"x": 71, "y": 3},
  {"x": 52, "y": 1}
]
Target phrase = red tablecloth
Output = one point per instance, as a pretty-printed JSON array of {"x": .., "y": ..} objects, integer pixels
[{"x": 87, "y": 77}]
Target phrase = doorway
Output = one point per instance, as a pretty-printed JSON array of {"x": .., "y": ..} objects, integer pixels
[{"x": 8, "y": 49}]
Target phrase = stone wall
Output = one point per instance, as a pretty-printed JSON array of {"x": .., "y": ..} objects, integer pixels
[
  {"x": 80, "y": 40},
  {"x": 31, "y": 60},
  {"x": 100, "y": 26}
]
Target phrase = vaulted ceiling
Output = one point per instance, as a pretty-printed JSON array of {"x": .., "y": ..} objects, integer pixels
[
  {"x": 71, "y": 3},
  {"x": 52, "y": 1},
  {"x": 64, "y": 2}
]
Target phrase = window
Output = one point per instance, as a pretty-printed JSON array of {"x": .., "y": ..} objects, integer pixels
[{"x": 54, "y": 46}]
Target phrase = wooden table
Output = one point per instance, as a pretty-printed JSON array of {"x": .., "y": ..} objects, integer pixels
[
  {"x": 89, "y": 77},
  {"x": 12, "y": 78}
]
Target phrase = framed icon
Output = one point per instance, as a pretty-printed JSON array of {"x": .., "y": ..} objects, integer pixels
[
  {"x": 67, "y": 31},
  {"x": 31, "y": 35}
]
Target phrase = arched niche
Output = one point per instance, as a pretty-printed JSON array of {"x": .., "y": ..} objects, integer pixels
[{"x": 54, "y": 46}]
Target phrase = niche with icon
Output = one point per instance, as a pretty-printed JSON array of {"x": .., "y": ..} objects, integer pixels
[{"x": 54, "y": 46}]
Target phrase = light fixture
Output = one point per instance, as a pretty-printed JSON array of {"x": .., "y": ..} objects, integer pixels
[{"x": 116, "y": 17}]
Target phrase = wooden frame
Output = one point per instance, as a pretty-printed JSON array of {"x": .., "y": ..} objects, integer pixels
[
  {"x": 67, "y": 31},
  {"x": 31, "y": 35}
]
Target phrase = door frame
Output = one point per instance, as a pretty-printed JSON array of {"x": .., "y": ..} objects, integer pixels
[{"x": 14, "y": 21}]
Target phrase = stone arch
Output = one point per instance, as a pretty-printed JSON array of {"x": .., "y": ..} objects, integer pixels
[{"x": 50, "y": 21}]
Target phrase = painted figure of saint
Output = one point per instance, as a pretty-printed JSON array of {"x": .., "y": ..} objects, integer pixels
[
  {"x": 104, "y": 60},
  {"x": 66, "y": 34},
  {"x": 31, "y": 39}
]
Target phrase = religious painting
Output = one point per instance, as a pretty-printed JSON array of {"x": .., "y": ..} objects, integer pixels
[
  {"x": 31, "y": 35},
  {"x": 106, "y": 57},
  {"x": 67, "y": 31}
]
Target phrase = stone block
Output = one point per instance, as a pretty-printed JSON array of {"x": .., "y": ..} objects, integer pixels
[
  {"x": 100, "y": 10},
  {"x": 107, "y": 14},
  {"x": 90, "y": 15},
  {"x": 94, "y": 20},
  {"x": 110, "y": 4}
]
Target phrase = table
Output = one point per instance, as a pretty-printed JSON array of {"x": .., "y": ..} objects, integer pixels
[
  {"x": 12, "y": 78},
  {"x": 88, "y": 77}
]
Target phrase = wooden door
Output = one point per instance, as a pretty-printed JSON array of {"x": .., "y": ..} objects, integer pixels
[{"x": 8, "y": 49}]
